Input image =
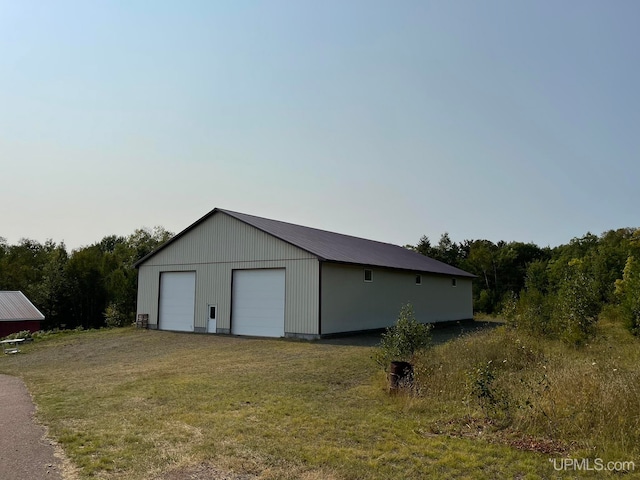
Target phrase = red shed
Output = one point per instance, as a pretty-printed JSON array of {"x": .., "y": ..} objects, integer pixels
[{"x": 17, "y": 313}]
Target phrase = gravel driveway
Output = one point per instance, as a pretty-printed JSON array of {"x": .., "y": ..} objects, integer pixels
[{"x": 25, "y": 451}]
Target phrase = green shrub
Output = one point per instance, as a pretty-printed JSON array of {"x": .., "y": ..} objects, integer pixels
[
  {"x": 22, "y": 334},
  {"x": 576, "y": 307},
  {"x": 46, "y": 334},
  {"x": 402, "y": 341},
  {"x": 509, "y": 308},
  {"x": 531, "y": 312},
  {"x": 483, "y": 385},
  {"x": 570, "y": 313},
  {"x": 485, "y": 302},
  {"x": 627, "y": 290},
  {"x": 114, "y": 317}
]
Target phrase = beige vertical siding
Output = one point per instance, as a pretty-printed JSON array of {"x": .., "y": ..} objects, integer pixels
[
  {"x": 302, "y": 297},
  {"x": 222, "y": 238},
  {"x": 217, "y": 247},
  {"x": 349, "y": 303}
]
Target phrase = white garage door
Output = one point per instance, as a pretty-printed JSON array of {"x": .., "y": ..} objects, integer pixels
[
  {"x": 258, "y": 303},
  {"x": 177, "y": 301}
]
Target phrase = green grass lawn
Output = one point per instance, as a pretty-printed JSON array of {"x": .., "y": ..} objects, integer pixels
[{"x": 139, "y": 404}]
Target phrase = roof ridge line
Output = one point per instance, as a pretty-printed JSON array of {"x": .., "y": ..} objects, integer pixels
[{"x": 231, "y": 212}]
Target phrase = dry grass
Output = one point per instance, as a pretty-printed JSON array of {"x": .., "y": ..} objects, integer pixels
[
  {"x": 539, "y": 394},
  {"x": 140, "y": 404}
]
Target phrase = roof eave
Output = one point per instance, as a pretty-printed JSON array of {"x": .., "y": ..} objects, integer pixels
[{"x": 460, "y": 274}]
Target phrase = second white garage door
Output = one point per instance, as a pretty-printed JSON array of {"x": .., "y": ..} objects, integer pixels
[{"x": 258, "y": 303}]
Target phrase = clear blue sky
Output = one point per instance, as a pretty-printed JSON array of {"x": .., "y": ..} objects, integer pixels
[{"x": 501, "y": 120}]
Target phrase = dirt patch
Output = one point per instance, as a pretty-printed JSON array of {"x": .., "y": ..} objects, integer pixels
[
  {"x": 203, "y": 472},
  {"x": 485, "y": 429}
]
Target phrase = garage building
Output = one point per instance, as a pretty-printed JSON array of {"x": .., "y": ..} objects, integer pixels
[{"x": 239, "y": 274}]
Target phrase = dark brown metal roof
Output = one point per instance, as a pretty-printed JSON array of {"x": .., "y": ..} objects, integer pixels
[
  {"x": 14, "y": 306},
  {"x": 335, "y": 247}
]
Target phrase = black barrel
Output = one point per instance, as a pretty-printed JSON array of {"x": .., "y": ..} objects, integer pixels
[{"x": 400, "y": 375}]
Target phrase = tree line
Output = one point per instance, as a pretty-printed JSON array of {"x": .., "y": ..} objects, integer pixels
[
  {"x": 90, "y": 287},
  {"x": 555, "y": 291},
  {"x": 540, "y": 288}
]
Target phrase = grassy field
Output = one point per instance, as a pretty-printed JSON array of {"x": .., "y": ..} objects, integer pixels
[{"x": 139, "y": 404}]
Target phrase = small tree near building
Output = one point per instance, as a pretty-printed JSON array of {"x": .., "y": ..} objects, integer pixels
[{"x": 628, "y": 293}]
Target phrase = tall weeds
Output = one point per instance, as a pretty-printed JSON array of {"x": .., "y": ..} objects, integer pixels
[{"x": 587, "y": 399}]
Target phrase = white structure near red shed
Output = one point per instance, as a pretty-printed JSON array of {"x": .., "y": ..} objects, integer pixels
[
  {"x": 18, "y": 314},
  {"x": 240, "y": 274}
]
